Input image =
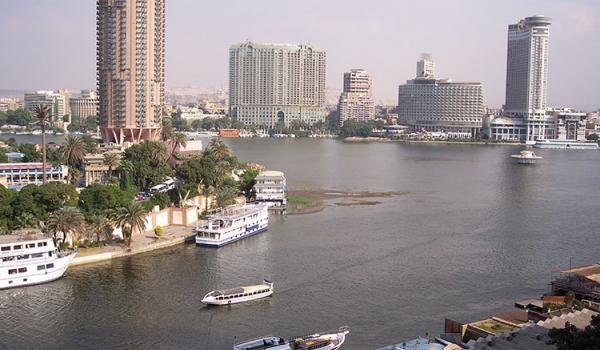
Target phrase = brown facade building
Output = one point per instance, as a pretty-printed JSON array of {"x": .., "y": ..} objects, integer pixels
[{"x": 130, "y": 63}]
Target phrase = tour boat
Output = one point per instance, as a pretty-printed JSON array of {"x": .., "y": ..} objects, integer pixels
[
  {"x": 565, "y": 144},
  {"x": 232, "y": 224},
  {"x": 268, "y": 342},
  {"x": 526, "y": 157},
  {"x": 328, "y": 341},
  {"x": 27, "y": 260},
  {"x": 239, "y": 295}
]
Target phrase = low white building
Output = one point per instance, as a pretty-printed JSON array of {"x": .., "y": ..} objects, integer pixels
[
  {"x": 18, "y": 175},
  {"x": 271, "y": 188}
]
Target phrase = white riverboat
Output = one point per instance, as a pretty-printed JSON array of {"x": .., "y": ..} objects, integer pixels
[
  {"x": 565, "y": 144},
  {"x": 30, "y": 259},
  {"x": 232, "y": 224},
  {"x": 239, "y": 295},
  {"x": 526, "y": 157},
  {"x": 327, "y": 341}
]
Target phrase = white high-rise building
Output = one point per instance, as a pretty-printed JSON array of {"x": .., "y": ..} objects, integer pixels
[
  {"x": 56, "y": 101},
  {"x": 356, "y": 100},
  {"x": 426, "y": 67},
  {"x": 271, "y": 83},
  {"x": 527, "y": 76},
  {"x": 130, "y": 64}
]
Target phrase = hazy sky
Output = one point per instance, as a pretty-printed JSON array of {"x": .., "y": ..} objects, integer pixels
[{"x": 50, "y": 44}]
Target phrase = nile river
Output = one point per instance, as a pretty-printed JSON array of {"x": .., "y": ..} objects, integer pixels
[{"x": 474, "y": 234}]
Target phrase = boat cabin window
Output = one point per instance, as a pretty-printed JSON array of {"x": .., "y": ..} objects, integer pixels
[
  {"x": 18, "y": 247},
  {"x": 49, "y": 266},
  {"x": 37, "y": 255},
  {"x": 31, "y": 245},
  {"x": 20, "y": 257},
  {"x": 22, "y": 269},
  {"x": 12, "y": 271},
  {"x": 5, "y": 248},
  {"x": 41, "y": 267},
  {"x": 42, "y": 244}
]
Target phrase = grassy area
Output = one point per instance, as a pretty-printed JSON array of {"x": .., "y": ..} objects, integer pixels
[
  {"x": 494, "y": 326},
  {"x": 295, "y": 199}
]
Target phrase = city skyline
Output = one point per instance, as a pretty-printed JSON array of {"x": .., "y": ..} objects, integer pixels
[{"x": 197, "y": 50}]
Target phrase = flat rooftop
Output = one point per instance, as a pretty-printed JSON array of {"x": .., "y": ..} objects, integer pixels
[{"x": 13, "y": 238}]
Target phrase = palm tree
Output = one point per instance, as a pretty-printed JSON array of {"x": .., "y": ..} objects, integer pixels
[
  {"x": 100, "y": 226},
  {"x": 178, "y": 140},
  {"x": 132, "y": 218},
  {"x": 111, "y": 160},
  {"x": 68, "y": 220},
  {"x": 42, "y": 113},
  {"x": 74, "y": 150},
  {"x": 126, "y": 169},
  {"x": 218, "y": 149}
]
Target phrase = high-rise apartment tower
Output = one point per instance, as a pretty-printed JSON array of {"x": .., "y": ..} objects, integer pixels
[
  {"x": 356, "y": 101},
  {"x": 130, "y": 63}
]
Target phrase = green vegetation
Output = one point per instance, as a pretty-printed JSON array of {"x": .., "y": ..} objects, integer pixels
[
  {"x": 359, "y": 129},
  {"x": 148, "y": 164},
  {"x": 298, "y": 200},
  {"x": 3, "y": 157},
  {"x": 494, "y": 326},
  {"x": 84, "y": 125},
  {"x": 131, "y": 219},
  {"x": 19, "y": 117},
  {"x": 572, "y": 338}
]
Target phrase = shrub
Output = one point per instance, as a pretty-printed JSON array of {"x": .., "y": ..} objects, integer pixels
[{"x": 158, "y": 231}]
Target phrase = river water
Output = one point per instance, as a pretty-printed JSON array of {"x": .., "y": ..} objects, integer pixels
[{"x": 474, "y": 234}]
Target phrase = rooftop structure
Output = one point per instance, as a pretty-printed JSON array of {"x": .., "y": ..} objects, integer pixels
[
  {"x": 95, "y": 170},
  {"x": 271, "y": 188},
  {"x": 276, "y": 83},
  {"x": 426, "y": 67},
  {"x": 130, "y": 69},
  {"x": 584, "y": 281}
]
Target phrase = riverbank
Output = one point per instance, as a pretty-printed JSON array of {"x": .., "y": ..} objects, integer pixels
[
  {"x": 313, "y": 201},
  {"x": 356, "y": 139},
  {"x": 142, "y": 243}
]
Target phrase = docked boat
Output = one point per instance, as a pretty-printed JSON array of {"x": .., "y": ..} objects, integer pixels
[
  {"x": 565, "y": 144},
  {"x": 327, "y": 341},
  {"x": 239, "y": 295},
  {"x": 526, "y": 157},
  {"x": 30, "y": 259},
  {"x": 232, "y": 224},
  {"x": 268, "y": 342}
]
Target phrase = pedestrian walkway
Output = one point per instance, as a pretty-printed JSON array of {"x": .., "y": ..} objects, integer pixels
[{"x": 141, "y": 243}]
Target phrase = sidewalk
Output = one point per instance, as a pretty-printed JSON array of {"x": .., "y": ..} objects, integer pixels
[{"x": 141, "y": 243}]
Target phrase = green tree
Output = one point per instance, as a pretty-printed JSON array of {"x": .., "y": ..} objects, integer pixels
[
  {"x": 3, "y": 157},
  {"x": 42, "y": 113},
  {"x": 30, "y": 154},
  {"x": 126, "y": 171},
  {"x": 132, "y": 218},
  {"x": 111, "y": 160},
  {"x": 247, "y": 181},
  {"x": 98, "y": 199},
  {"x": 167, "y": 128},
  {"x": 74, "y": 150},
  {"x": 149, "y": 163},
  {"x": 572, "y": 338},
  {"x": 6, "y": 210},
  {"x": 178, "y": 140},
  {"x": 226, "y": 192},
  {"x": 100, "y": 227},
  {"x": 68, "y": 221}
]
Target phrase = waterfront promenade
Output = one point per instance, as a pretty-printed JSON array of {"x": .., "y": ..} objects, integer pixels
[{"x": 141, "y": 243}]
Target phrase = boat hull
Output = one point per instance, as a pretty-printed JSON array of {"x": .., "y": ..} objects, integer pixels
[
  {"x": 202, "y": 242},
  {"x": 48, "y": 275},
  {"x": 238, "y": 300}
]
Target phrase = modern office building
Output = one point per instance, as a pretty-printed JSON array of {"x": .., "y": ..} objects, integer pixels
[
  {"x": 441, "y": 105},
  {"x": 527, "y": 76},
  {"x": 56, "y": 101},
  {"x": 17, "y": 175},
  {"x": 570, "y": 125},
  {"x": 130, "y": 69},
  {"x": 86, "y": 105},
  {"x": 271, "y": 83},
  {"x": 356, "y": 100}
]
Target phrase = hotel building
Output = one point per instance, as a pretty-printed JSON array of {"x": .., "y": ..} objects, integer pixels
[
  {"x": 130, "y": 69},
  {"x": 356, "y": 100},
  {"x": 441, "y": 105},
  {"x": 271, "y": 83},
  {"x": 527, "y": 76},
  {"x": 56, "y": 101},
  {"x": 85, "y": 105}
]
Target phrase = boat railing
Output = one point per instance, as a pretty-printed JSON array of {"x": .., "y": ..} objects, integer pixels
[{"x": 65, "y": 253}]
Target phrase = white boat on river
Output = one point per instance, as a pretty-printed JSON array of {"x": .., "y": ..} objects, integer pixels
[
  {"x": 27, "y": 260},
  {"x": 239, "y": 295},
  {"x": 327, "y": 341},
  {"x": 232, "y": 224}
]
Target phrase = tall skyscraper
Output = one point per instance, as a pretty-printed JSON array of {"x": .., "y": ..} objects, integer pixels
[
  {"x": 271, "y": 83},
  {"x": 527, "y": 75},
  {"x": 426, "y": 66},
  {"x": 130, "y": 63},
  {"x": 356, "y": 101},
  {"x": 441, "y": 105}
]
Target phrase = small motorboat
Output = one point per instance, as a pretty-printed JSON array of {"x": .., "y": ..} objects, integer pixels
[
  {"x": 239, "y": 295},
  {"x": 267, "y": 342},
  {"x": 526, "y": 157},
  {"x": 328, "y": 341}
]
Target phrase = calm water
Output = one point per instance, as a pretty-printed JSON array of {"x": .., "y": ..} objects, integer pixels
[{"x": 474, "y": 234}]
